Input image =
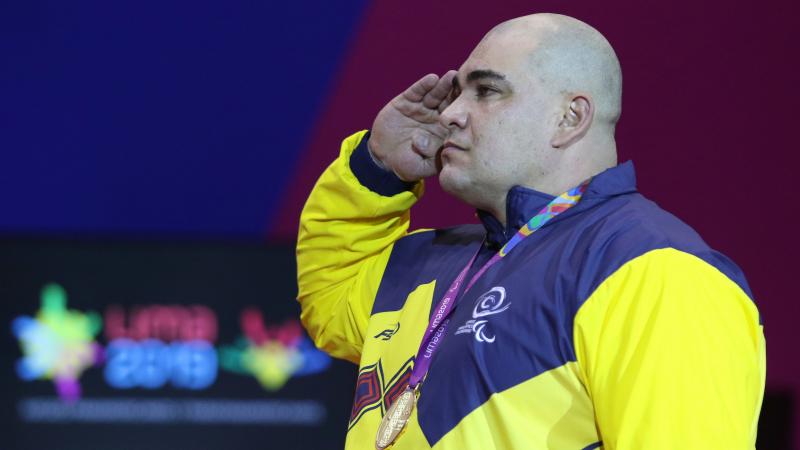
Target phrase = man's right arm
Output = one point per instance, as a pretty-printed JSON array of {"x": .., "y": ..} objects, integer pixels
[
  {"x": 359, "y": 209},
  {"x": 353, "y": 217}
]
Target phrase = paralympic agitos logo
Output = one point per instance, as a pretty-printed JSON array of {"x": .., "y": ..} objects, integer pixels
[
  {"x": 490, "y": 303},
  {"x": 152, "y": 346}
]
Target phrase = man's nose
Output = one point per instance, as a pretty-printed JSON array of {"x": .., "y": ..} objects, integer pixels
[{"x": 454, "y": 116}]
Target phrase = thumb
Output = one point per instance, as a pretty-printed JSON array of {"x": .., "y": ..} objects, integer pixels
[{"x": 425, "y": 144}]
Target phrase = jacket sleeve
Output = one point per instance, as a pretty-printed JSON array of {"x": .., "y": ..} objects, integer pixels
[
  {"x": 673, "y": 355},
  {"x": 351, "y": 220}
]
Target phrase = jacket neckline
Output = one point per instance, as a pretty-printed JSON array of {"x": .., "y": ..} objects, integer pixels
[{"x": 523, "y": 203}]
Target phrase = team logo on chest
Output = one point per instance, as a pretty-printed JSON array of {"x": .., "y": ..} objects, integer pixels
[{"x": 488, "y": 304}]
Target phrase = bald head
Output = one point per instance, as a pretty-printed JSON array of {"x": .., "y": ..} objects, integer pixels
[{"x": 568, "y": 57}]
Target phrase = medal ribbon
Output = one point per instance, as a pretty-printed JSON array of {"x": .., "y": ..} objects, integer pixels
[{"x": 441, "y": 316}]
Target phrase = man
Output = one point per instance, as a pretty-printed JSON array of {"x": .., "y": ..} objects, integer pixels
[{"x": 604, "y": 322}]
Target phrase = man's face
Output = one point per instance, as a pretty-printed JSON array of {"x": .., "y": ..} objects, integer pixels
[{"x": 500, "y": 123}]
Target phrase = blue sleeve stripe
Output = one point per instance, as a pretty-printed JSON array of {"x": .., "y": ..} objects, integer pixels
[{"x": 375, "y": 178}]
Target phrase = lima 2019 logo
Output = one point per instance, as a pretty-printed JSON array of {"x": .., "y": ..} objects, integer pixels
[{"x": 155, "y": 345}]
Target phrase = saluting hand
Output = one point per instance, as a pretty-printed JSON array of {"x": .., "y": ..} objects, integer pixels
[{"x": 406, "y": 135}]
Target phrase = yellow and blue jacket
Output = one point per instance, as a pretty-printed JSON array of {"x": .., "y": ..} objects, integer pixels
[{"x": 614, "y": 326}]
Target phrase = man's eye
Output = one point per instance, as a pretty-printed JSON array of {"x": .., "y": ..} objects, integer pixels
[{"x": 484, "y": 90}]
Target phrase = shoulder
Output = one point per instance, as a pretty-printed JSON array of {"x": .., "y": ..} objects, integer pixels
[
  {"x": 633, "y": 231},
  {"x": 421, "y": 255},
  {"x": 435, "y": 241},
  {"x": 424, "y": 256}
]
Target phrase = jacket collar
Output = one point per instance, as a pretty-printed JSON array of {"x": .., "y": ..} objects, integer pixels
[{"x": 523, "y": 203}]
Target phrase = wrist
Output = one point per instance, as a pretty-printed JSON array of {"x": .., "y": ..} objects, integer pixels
[
  {"x": 378, "y": 162},
  {"x": 372, "y": 174}
]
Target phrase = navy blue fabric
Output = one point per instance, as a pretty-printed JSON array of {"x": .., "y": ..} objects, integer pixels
[
  {"x": 423, "y": 257},
  {"x": 521, "y": 204},
  {"x": 641, "y": 227},
  {"x": 593, "y": 446},
  {"x": 546, "y": 279},
  {"x": 373, "y": 177}
]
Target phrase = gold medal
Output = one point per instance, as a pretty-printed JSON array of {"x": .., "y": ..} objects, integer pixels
[{"x": 395, "y": 419}]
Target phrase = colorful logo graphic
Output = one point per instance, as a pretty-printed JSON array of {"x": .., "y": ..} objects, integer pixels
[
  {"x": 57, "y": 344},
  {"x": 152, "y": 346},
  {"x": 272, "y": 354}
]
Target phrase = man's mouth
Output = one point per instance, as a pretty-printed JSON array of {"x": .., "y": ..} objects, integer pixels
[
  {"x": 443, "y": 156},
  {"x": 450, "y": 146}
]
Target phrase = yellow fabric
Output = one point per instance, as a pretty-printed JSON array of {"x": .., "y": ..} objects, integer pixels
[
  {"x": 550, "y": 411},
  {"x": 673, "y": 356},
  {"x": 393, "y": 356},
  {"x": 345, "y": 238}
]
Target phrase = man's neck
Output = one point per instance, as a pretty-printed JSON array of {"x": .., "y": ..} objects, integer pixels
[{"x": 572, "y": 171}]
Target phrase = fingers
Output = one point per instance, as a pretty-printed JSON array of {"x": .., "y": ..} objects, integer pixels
[
  {"x": 425, "y": 143},
  {"x": 414, "y": 165},
  {"x": 429, "y": 168},
  {"x": 416, "y": 92},
  {"x": 440, "y": 91},
  {"x": 445, "y": 103},
  {"x": 431, "y": 90},
  {"x": 420, "y": 143},
  {"x": 450, "y": 95}
]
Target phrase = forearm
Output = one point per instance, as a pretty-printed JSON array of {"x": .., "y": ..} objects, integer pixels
[{"x": 347, "y": 230}]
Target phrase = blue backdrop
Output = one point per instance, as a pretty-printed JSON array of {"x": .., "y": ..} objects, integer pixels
[{"x": 159, "y": 118}]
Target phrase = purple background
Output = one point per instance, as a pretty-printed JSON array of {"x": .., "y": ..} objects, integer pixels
[{"x": 211, "y": 121}]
